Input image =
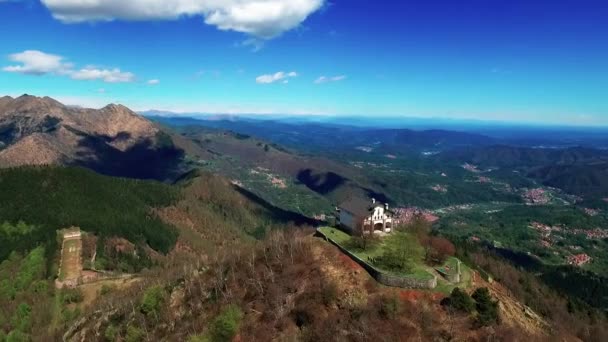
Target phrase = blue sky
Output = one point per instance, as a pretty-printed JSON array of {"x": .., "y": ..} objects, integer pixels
[{"x": 509, "y": 60}]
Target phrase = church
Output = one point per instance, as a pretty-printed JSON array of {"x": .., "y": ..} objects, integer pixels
[{"x": 358, "y": 216}]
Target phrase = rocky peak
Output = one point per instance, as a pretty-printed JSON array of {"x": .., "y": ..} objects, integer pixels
[
  {"x": 34, "y": 104},
  {"x": 42, "y": 124}
]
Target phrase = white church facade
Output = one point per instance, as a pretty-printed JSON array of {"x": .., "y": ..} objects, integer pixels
[{"x": 358, "y": 216}]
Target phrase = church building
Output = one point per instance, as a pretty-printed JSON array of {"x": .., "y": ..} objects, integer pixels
[{"x": 358, "y": 216}]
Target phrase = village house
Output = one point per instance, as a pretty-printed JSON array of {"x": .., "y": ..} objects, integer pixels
[{"x": 358, "y": 216}]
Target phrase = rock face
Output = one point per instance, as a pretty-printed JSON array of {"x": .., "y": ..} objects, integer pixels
[{"x": 113, "y": 140}]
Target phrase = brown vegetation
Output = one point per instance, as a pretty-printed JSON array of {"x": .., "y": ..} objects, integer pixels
[
  {"x": 566, "y": 320},
  {"x": 291, "y": 286}
]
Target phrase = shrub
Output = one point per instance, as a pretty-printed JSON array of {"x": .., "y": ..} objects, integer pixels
[
  {"x": 70, "y": 296},
  {"x": 17, "y": 336},
  {"x": 390, "y": 307},
  {"x": 226, "y": 325},
  {"x": 487, "y": 309},
  {"x": 111, "y": 333},
  {"x": 105, "y": 289},
  {"x": 152, "y": 301},
  {"x": 134, "y": 334},
  {"x": 198, "y": 338},
  {"x": 363, "y": 242},
  {"x": 68, "y": 315},
  {"x": 329, "y": 292},
  {"x": 461, "y": 301},
  {"x": 22, "y": 317}
]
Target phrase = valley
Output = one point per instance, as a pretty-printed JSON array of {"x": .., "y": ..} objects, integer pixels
[{"x": 227, "y": 238}]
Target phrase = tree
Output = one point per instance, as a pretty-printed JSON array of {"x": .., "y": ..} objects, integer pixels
[
  {"x": 419, "y": 227},
  {"x": 153, "y": 298},
  {"x": 487, "y": 308},
  {"x": 402, "y": 252},
  {"x": 461, "y": 301},
  {"x": 226, "y": 325},
  {"x": 438, "y": 249}
]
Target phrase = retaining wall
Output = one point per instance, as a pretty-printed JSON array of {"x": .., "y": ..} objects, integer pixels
[{"x": 385, "y": 278}]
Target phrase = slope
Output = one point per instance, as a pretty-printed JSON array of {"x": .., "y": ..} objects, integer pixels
[{"x": 112, "y": 140}]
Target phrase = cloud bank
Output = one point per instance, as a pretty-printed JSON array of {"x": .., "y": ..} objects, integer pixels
[
  {"x": 34, "y": 62},
  {"x": 264, "y": 19}
]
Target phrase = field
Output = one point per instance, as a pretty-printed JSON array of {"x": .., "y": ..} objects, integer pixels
[{"x": 418, "y": 269}]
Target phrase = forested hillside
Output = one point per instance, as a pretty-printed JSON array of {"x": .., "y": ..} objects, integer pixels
[{"x": 47, "y": 199}]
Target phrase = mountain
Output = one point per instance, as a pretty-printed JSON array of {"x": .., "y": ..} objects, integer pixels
[
  {"x": 515, "y": 156},
  {"x": 576, "y": 170},
  {"x": 316, "y": 137},
  {"x": 112, "y": 140}
]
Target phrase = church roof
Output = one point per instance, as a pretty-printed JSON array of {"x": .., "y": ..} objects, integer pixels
[{"x": 358, "y": 206}]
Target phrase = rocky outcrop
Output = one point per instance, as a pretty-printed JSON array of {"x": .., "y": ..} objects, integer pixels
[{"x": 40, "y": 130}]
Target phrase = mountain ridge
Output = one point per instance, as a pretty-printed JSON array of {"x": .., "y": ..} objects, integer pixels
[{"x": 41, "y": 130}]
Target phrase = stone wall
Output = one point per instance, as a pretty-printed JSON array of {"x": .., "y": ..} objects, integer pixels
[{"x": 384, "y": 277}]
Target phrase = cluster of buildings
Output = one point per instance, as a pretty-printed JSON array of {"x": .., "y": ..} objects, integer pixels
[
  {"x": 596, "y": 233},
  {"x": 483, "y": 180},
  {"x": 470, "y": 167},
  {"x": 575, "y": 259},
  {"x": 545, "y": 229},
  {"x": 591, "y": 212},
  {"x": 578, "y": 259},
  {"x": 536, "y": 196},
  {"x": 439, "y": 188},
  {"x": 407, "y": 215}
]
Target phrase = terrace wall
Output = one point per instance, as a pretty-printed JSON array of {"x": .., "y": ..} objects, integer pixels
[{"x": 386, "y": 278}]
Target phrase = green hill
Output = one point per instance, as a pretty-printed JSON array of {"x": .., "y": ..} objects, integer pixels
[{"x": 51, "y": 198}]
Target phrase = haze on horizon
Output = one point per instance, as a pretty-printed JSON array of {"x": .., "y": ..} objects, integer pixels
[{"x": 544, "y": 62}]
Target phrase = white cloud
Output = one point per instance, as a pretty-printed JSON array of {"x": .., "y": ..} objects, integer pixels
[
  {"x": 278, "y": 76},
  {"x": 34, "y": 62},
  {"x": 264, "y": 19},
  {"x": 101, "y": 90},
  {"x": 324, "y": 79},
  {"x": 153, "y": 82},
  {"x": 106, "y": 75}
]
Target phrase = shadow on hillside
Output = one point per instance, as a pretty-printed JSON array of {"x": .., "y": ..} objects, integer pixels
[
  {"x": 143, "y": 160},
  {"x": 378, "y": 196},
  {"x": 276, "y": 213},
  {"x": 322, "y": 183}
]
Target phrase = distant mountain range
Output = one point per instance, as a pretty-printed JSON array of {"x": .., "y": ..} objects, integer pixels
[
  {"x": 532, "y": 135},
  {"x": 117, "y": 141},
  {"x": 577, "y": 170},
  {"x": 319, "y": 136}
]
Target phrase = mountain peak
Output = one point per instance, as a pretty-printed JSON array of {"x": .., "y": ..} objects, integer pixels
[
  {"x": 115, "y": 106},
  {"x": 32, "y": 100}
]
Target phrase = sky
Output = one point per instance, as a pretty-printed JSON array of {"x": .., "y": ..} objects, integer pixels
[{"x": 524, "y": 61}]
